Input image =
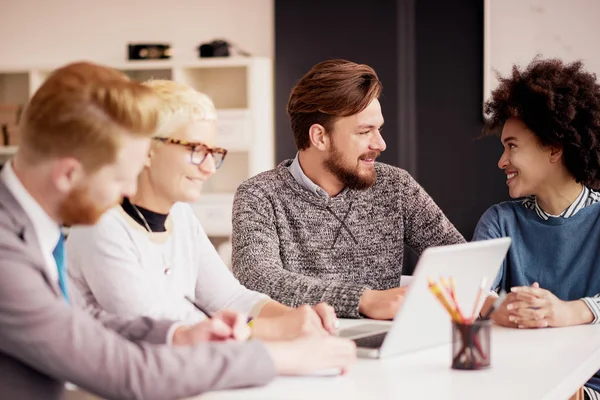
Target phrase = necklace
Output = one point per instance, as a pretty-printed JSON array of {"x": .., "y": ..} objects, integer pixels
[{"x": 166, "y": 270}]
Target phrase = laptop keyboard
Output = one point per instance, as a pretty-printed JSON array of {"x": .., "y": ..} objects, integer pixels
[
  {"x": 371, "y": 342},
  {"x": 361, "y": 330}
]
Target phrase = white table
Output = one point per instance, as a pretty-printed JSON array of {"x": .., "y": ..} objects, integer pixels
[{"x": 526, "y": 364}]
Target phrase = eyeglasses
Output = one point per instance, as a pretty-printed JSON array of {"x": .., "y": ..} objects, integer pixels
[{"x": 199, "y": 151}]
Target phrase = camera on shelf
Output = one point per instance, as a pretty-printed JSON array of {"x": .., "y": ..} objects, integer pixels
[
  {"x": 149, "y": 51},
  {"x": 216, "y": 48}
]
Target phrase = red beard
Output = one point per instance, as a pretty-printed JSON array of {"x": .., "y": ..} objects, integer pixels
[{"x": 79, "y": 208}]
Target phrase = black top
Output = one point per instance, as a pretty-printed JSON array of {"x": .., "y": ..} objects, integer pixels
[{"x": 155, "y": 221}]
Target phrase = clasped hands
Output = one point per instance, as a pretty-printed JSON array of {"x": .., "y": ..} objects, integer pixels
[{"x": 534, "y": 307}]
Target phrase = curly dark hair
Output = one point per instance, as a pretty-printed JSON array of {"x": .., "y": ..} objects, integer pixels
[{"x": 560, "y": 104}]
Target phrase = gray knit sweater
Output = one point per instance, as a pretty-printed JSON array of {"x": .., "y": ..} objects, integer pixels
[{"x": 299, "y": 248}]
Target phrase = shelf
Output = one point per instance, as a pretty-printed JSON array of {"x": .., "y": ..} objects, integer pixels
[
  {"x": 241, "y": 89},
  {"x": 227, "y": 87},
  {"x": 214, "y": 212},
  {"x": 216, "y": 62},
  {"x": 7, "y": 150}
]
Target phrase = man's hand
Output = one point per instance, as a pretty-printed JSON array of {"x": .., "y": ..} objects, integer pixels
[
  {"x": 539, "y": 308},
  {"x": 298, "y": 322},
  {"x": 328, "y": 318},
  {"x": 324, "y": 311},
  {"x": 381, "y": 304},
  {"x": 225, "y": 325},
  {"x": 312, "y": 353}
]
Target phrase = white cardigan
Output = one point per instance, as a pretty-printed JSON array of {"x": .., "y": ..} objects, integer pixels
[{"x": 118, "y": 267}]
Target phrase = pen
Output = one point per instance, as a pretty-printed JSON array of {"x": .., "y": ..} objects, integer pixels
[
  {"x": 198, "y": 307},
  {"x": 203, "y": 310},
  {"x": 496, "y": 304}
]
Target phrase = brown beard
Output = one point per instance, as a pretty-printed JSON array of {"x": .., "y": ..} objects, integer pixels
[
  {"x": 348, "y": 176},
  {"x": 79, "y": 208}
]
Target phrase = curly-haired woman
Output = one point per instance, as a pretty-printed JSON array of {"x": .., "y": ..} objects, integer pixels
[{"x": 548, "y": 115}]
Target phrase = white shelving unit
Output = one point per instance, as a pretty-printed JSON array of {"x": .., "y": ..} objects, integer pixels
[{"x": 242, "y": 90}]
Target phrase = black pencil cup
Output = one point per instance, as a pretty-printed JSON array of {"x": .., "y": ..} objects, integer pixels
[{"x": 471, "y": 345}]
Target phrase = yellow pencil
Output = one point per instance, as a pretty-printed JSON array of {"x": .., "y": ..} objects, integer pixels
[
  {"x": 453, "y": 294},
  {"x": 436, "y": 290},
  {"x": 449, "y": 295}
]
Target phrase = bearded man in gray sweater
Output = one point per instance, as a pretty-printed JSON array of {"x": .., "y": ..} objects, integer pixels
[{"x": 331, "y": 224}]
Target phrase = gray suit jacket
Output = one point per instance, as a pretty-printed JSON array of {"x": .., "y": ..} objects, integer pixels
[{"x": 45, "y": 342}]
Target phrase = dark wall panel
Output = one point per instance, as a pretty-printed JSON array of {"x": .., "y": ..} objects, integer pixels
[
  {"x": 311, "y": 31},
  {"x": 457, "y": 170}
]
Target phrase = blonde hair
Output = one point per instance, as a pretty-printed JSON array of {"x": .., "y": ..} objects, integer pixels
[
  {"x": 179, "y": 104},
  {"x": 83, "y": 110}
]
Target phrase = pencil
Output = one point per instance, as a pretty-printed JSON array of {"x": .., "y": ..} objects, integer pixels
[
  {"x": 496, "y": 304},
  {"x": 452, "y": 291},
  {"x": 435, "y": 289}
]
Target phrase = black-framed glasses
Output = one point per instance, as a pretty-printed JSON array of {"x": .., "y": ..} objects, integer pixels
[{"x": 198, "y": 151}]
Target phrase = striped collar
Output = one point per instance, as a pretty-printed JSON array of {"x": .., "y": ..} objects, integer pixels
[{"x": 585, "y": 198}]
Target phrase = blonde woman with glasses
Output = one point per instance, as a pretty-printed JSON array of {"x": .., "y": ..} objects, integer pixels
[{"x": 146, "y": 256}]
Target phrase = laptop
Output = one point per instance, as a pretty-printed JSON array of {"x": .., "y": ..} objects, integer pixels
[{"x": 422, "y": 322}]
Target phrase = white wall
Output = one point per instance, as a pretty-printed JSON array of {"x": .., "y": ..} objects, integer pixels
[
  {"x": 34, "y": 32},
  {"x": 518, "y": 30}
]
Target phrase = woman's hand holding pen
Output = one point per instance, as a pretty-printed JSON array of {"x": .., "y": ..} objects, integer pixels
[
  {"x": 311, "y": 347},
  {"x": 224, "y": 325},
  {"x": 292, "y": 323}
]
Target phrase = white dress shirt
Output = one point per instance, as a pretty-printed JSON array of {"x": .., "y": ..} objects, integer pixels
[{"x": 46, "y": 229}]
